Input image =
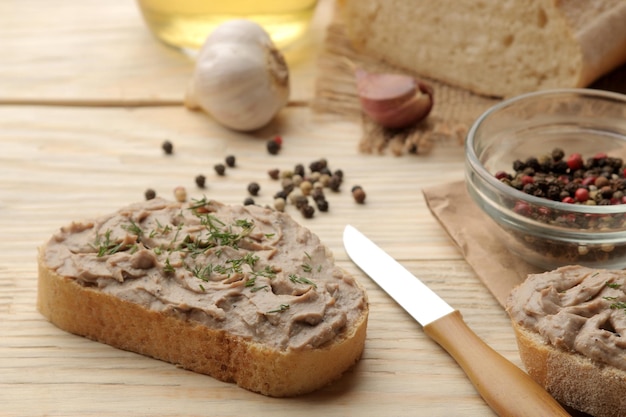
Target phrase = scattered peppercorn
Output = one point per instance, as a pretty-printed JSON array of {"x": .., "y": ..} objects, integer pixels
[
  {"x": 274, "y": 173},
  {"x": 300, "y": 201},
  {"x": 220, "y": 169},
  {"x": 358, "y": 194},
  {"x": 274, "y": 145},
  {"x": 201, "y": 181},
  {"x": 180, "y": 194},
  {"x": 150, "y": 194},
  {"x": 307, "y": 211},
  {"x": 318, "y": 194},
  {"x": 318, "y": 165},
  {"x": 299, "y": 170},
  {"x": 253, "y": 188},
  {"x": 306, "y": 187},
  {"x": 334, "y": 183},
  {"x": 248, "y": 201},
  {"x": 167, "y": 147},
  {"x": 279, "y": 204},
  {"x": 230, "y": 161},
  {"x": 322, "y": 204}
]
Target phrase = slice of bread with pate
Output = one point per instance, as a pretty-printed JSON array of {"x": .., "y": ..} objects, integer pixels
[
  {"x": 241, "y": 293},
  {"x": 570, "y": 325}
]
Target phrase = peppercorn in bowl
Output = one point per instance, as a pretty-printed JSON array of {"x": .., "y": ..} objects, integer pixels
[{"x": 550, "y": 169}]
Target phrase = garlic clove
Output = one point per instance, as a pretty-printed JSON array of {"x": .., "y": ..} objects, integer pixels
[
  {"x": 240, "y": 78},
  {"x": 393, "y": 100}
]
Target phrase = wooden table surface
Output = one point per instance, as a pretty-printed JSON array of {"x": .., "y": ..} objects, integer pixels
[{"x": 87, "y": 96}]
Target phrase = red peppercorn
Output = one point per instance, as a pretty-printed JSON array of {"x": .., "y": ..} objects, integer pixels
[
  {"x": 581, "y": 194},
  {"x": 278, "y": 140},
  {"x": 589, "y": 180},
  {"x": 544, "y": 211},
  {"x": 501, "y": 174},
  {"x": 575, "y": 161},
  {"x": 527, "y": 179},
  {"x": 600, "y": 155},
  {"x": 522, "y": 208},
  {"x": 568, "y": 200}
]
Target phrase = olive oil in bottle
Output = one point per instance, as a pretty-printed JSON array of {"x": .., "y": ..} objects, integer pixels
[{"x": 185, "y": 24}]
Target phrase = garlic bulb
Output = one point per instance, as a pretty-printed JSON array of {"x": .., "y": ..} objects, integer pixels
[
  {"x": 240, "y": 78},
  {"x": 393, "y": 100}
]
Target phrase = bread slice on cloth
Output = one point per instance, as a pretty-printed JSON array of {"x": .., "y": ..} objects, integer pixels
[
  {"x": 493, "y": 47},
  {"x": 243, "y": 294},
  {"x": 570, "y": 326}
]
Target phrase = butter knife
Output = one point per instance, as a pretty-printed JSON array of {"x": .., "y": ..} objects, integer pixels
[{"x": 507, "y": 389}]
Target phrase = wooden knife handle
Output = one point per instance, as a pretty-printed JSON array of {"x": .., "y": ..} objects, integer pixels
[{"x": 507, "y": 389}]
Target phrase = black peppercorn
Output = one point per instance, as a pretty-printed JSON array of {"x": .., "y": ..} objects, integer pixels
[
  {"x": 200, "y": 181},
  {"x": 558, "y": 154},
  {"x": 230, "y": 161},
  {"x": 253, "y": 188},
  {"x": 358, "y": 194},
  {"x": 299, "y": 170},
  {"x": 307, "y": 211},
  {"x": 150, "y": 194},
  {"x": 273, "y": 146},
  {"x": 220, "y": 169},
  {"x": 335, "y": 183},
  {"x": 319, "y": 165},
  {"x": 249, "y": 201},
  {"x": 274, "y": 173},
  {"x": 167, "y": 147},
  {"x": 317, "y": 194},
  {"x": 322, "y": 204}
]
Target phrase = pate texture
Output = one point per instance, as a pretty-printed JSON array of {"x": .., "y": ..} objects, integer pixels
[
  {"x": 249, "y": 270},
  {"x": 576, "y": 309}
]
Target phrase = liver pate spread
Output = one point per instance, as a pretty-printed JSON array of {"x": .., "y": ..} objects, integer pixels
[
  {"x": 251, "y": 271},
  {"x": 576, "y": 309}
]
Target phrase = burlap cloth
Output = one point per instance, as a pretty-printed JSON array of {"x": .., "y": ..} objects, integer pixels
[{"x": 453, "y": 113}]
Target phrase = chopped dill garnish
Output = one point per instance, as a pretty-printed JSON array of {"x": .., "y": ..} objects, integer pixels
[
  {"x": 301, "y": 280},
  {"x": 133, "y": 228},
  {"x": 613, "y": 285},
  {"x": 280, "y": 309},
  {"x": 203, "y": 273},
  {"x": 168, "y": 268},
  {"x": 621, "y": 305},
  {"x": 106, "y": 246}
]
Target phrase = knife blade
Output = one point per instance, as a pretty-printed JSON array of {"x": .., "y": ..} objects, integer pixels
[{"x": 507, "y": 389}]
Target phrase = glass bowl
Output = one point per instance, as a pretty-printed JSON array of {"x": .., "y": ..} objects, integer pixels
[{"x": 556, "y": 231}]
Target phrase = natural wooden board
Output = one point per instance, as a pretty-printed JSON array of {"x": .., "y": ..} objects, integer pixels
[{"x": 91, "y": 51}]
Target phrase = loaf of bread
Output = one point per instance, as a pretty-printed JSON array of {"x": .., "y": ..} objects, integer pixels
[
  {"x": 570, "y": 326},
  {"x": 241, "y": 293},
  {"x": 493, "y": 47}
]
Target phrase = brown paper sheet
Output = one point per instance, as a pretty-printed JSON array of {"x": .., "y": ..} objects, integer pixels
[{"x": 478, "y": 238}]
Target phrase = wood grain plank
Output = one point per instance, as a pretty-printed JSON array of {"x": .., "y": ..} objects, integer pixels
[{"x": 101, "y": 53}]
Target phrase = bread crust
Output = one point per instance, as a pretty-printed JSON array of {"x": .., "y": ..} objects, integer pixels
[
  {"x": 85, "y": 311},
  {"x": 542, "y": 44},
  {"x": 572, "y": 378}
]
